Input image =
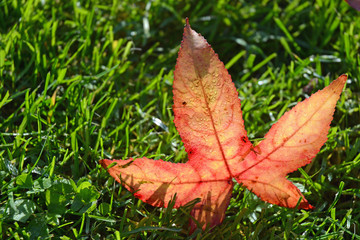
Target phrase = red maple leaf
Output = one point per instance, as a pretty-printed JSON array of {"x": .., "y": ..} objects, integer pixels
[{"x": 209, "y": 120}]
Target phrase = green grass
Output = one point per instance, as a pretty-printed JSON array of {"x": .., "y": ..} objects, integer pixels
[{"x": 86, "y": 80}]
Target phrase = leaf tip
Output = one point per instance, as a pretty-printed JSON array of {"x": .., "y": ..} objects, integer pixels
[
  {"x": 187, "y": 22},
  {"x": 187, "y": 25},
  {"x": 340, "y": 82},
  {"x": 102, "y": 163},
  {"x": 343, "y": 77},
  {"x": 195, "y": 40},
  {"x": 306, "y": 206},
  {"x": 107, "y": 164}
]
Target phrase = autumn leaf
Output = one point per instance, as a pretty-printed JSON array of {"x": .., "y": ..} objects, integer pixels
[{"x": 209, "y": 119}]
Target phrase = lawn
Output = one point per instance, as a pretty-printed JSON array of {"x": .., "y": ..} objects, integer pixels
[{"x": 85, "y": 80}]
